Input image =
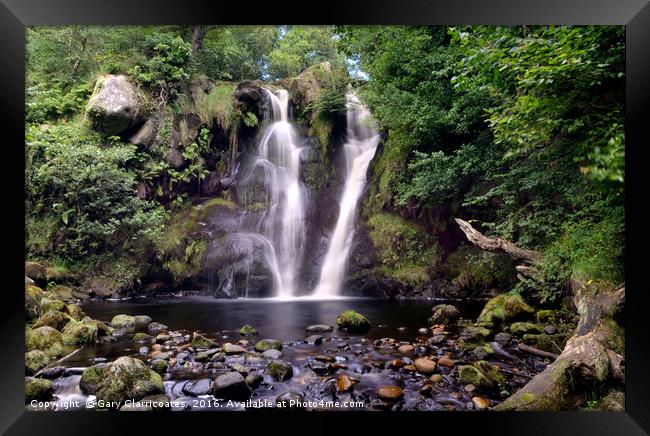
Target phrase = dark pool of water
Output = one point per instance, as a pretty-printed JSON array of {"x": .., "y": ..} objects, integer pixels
[{"x": 278, "y": 319}]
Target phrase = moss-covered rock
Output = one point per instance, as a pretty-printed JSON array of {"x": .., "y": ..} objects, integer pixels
[
  {"x": 79, "y": 333},
  {"x": 46, "y": 339},
  {"x": 504, "y": 307},
  {"x": 142, "y": 321},
  {"x": 231, "y": 386},
  {"x": 353, "y": 322},
  {"x": 37, "y": 389},
  {"x": 91, "y": 377},
  {"x": 551, "y": 343},
  {"x": 483, "y": 352},
  {"x": 34, "y": 361},
  {"x": 61, "y": 292},
  {"x": 123, "y": 322},
  {"x": 35, "y": 271},
  {"x": 200, "y": 341},
  {"x": 472, "y": 337},
  {"x": 444, "y": 314},
  {"x": 33, "y": 297},
  {"x": 522, "y": 328},
  {"x": 279, "y": 370},
  {"x": 75, "y": 312},
  {"x": 483, "y": 375},
  {"x": 546, "y": 316},
  {"x": 54, "y": 319},
  {"x": 268, "y": 344},
  {"x": 248, "y": 330},
  {"x": 128, "y": 378},
  {"x": 48, "y": 304},
  {"x": 102, "y": 328},
  {"x": 142, "y": 337},
  {"x": 115, "y": 104},
  {"x": 159, "y": 365}
]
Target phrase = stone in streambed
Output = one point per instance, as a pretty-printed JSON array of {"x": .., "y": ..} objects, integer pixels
[
  {"x": 436, "y": 378},
  {"x": 254, "y": 380},
  {"x": 405, "y": 350},
  {"x": 318, "y": 328},
  {"x": 446, "y": 362},
  {"x": 142, "y": 321},
  {"x": 123, "y": 322},
  {"x": 155, "y": 328},
  {"x": 503, "y": 338},
  {"x": 37, "y": 389},
  {"x": 425, "y": 365},
  {"x": 34, "y": 361},
  {"x": 198, "y": 387},
  {"x": 444, "y": 314},
  {"x": 279, "y": 370},
  {"x": 229, "y": 348},
  {"x": 46, "y": 339},
  {"x": 522, "y": 328},
  {"x": 504, "y": 307},
  {"x": 142, "y": 337},
  {"x": 344, "y": 383},
  {"x": 231, "y": 386},
  {"x": 103, "y": 330},
  {"x": 75, "y": 312},
  {"x": 159, "y": 365},
  {"x": 272, "y": 354},
  {"x": 79, "y": 333},
  {"x": 314, "y": 340},
  {"x": 91, "y": 377},
  {"x": 390, "y": 393},
  {"x": 200, "y": 341},
  {"x": 481, "y": 403},
  {"x": 267, "y": 344},
  {"x": 54, "y": 319},
  {"x": 248, "y": 330},
  {"x": 319, "y": 368},
  {"x": 128, "y": 378},
  {"x": 353, "y": 322}
]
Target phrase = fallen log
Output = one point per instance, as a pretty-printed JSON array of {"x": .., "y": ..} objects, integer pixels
[
  {"x": 536, "y": 351},
  {"x": 61, "y": 360},
  {"x": 498, "y": 245},
  {"x": 589, "y": 357}
]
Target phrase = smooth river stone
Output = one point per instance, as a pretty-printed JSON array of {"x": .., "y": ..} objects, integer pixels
[
  {"x": 446, "y": 361},
  {"x": 481, "y": 403},
  {"x": 390, "y": 393},
  {"x": 318, "y": 328},
  {"x": 405, "y": 349},
  {"x": 425, "y": 365}
]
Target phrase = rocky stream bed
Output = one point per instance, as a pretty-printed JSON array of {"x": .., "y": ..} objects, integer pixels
[{"x": 307, "y": 354}]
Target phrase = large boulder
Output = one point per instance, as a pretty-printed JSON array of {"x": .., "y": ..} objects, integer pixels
[
  {"x": 128, "y": 378},
  {"x": 46, "y": 339},
  {"x": 54, "y": 319},
  {"x": 36, "y": 272},
  {"x": 114, "y": 105},
  {"x": 504, "y": 307},
  {"x": 444, "y": 314},
  {"x": 33, "y": 298},
  {"x": 34, "y": 361},
  {"x": 353, "y": 322},
  {"x": 37, "y": 389},
  {"x": 91, "y": 377},
  {"x": 79, "y": 333},
  {"x": 231, "y": 386},
  {"x": 123, "y": 322}
]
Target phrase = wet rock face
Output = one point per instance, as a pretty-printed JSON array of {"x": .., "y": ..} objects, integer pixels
[{"x": 114, "y": 105}]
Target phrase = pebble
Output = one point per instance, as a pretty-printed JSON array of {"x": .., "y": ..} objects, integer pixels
[
  {"x": 446, "y": 361},
  {"x": 405, "y": 349},
  {"x": 390, "y": 393},
  {"x": 272, "y": 354},
  {"x": 436, "y": 378},
  {"x": 344, "y": 383},
  {"x": 229, "y": 348},
  {"x": 396, "y": 363},
  {"x": 314, "y": 339},
  {"x": 425, "y": 365},
  {"x": 324, "y": 358},
  {"x": 481, "y": 403},
  {"x": 318, "y": 328},
  {"x": 470, "y": 388}
]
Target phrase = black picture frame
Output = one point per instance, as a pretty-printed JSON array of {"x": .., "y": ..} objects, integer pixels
[{"x": 15, "y": 15}]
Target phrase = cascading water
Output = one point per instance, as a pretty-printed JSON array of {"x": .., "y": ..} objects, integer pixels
[
  {"x": 279, "y": 159},
  {"x": 359, "y": 150}
]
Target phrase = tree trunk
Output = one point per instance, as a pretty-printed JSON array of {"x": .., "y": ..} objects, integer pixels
[
  {"x": 498, "y": 245},
  {"x": 198, "y": 33},
  {"x": 592, "y": 356}
]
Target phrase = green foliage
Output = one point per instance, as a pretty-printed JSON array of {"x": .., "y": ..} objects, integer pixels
[
  {"x": 302, "y": 46},
  {"x": 405, "y": 251},
  {"x": 473, "y": 269},
  {"x": 74, "y": 178}
]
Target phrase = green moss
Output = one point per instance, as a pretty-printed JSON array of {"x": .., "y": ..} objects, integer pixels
[
  {"x": 37, "y": 389},
  {"x": 468, "y": 374},
  {"x": 46, "y": 339},
  {"x": 91, "y": 377},
  {"x": 551, "y": 343},
  {"x": 268, "y": 344},
  {"x": 54, "y": 319},
  {"x": 123, "y": 321},
  {"x": 34, "y": 361},
  {"x": 248, "y": 330},
  {"x": 141, "y": 337},
  {"x": 546, "y": 316},
  {"x": 159, "y": 365},
  {"x": 405, "y": 251},
  {"x": 505, "y": 307},
  {"x": 48, "y": 304},
  {"x": 75, "y": 311},
  {"x": 521, "y": 328},
  {"x": 353, "y": 322},
  {"x": 128, "y": 378},
  {"x": 200, "y": 341},
  {"x": 102, "y": 328},
  {"x": 79, "y": 333}
]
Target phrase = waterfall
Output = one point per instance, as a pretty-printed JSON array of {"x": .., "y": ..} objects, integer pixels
[
  {"x": 359, "y": 150},
  {"x": 279, "y": 159}
]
